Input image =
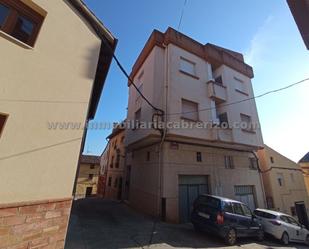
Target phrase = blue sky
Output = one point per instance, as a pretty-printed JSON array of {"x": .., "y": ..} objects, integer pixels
[{"x": 264, "y": 31}]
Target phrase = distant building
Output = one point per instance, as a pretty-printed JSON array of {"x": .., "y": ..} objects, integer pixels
[
  {"x": 300, "y": 11},
  {"x": 182, "y": 76},
  {"x": 103, "y": 172},
  {"x": 113, "y": 165},
  {"x": 283, "y": 181},
  {"x": 304, "y": 163},
  {"x": 55, "y": 56},
  {"x": 88, "y": 176}
]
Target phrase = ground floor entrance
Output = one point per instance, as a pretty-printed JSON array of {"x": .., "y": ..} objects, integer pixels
[{"x": 190, "y": 187}]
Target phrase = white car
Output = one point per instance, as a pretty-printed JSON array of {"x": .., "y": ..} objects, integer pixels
[{"x": 282, "y": 226}]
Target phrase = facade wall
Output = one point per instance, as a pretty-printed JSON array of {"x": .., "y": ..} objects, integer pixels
[
  {"x": 293, "y": 187},
  {"x": 84, "y": 181},
  {"x": 49, "y": 83},
  {"x": 305, "y": 168},
  {"x": 182, "y": 161},
  {"x": 115, "y": 171}
]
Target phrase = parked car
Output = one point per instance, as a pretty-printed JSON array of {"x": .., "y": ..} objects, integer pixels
[
  {"x": 282, "y": 226},
  {"x": 226, "y": 218}
]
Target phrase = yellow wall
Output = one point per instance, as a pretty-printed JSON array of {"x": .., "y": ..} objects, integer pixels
[
  {"x": 305, "y": 167},
  {"x": 83, "y": 180},
  {"x": 293, "y": 189},
  {"x": 36, "y": 162}
]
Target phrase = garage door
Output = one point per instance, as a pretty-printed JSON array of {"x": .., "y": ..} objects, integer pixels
[
  {"x": 190, "y": 187},
  {"x": 246, "y": 194}
]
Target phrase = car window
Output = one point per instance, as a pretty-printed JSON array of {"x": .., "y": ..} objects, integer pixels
[
  {"x": 293, "y": 221},
  {"x": 237, "y": 208},
  {"x": 227, "y": 207},
  {"x": 284, "y": 218},
  {"x": 209, "y": 201},
  {"x": 246, "y": 210}
]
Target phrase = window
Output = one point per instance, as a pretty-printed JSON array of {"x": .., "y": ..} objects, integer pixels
[
  {"x": 117, "y": 161},
  {"x": 253, "y": 164},
  {"x": 280, "y": 179},
  {"x": 189, "y": 110},
  {"x": 293, "y": 211},
  {"x": 229, "y": 162},
  {"x": 116, "y": 183},
  {"x": 223, "y": 120},
  {"x": 112, "y": 162},
  {"x": 92, "y": 166},
  {"x": 272, "y": 159},
  {"x": 227, "y": 207},
  {"x": 187, "y": 66},
  {"x": 246, "y": 122},
  {"x": 198, "y": 156},
  {"x": 240, "y": 85},
  {"x": 137, "y": 118},
  {"x": 3, "y": 118},
  {"x": 218, "y": 80},
  {"x": 148, "y": 156},
  {"x": 110, "y": 181},
  {"x": 138, "y": 95},
  {"x": 293, "y": 221},
  {"x": 237, "y": 208},
  {"x": 90, "y": 177},
  {"x": 20, "y": 21},
  {"x": 246, "y": 210}
]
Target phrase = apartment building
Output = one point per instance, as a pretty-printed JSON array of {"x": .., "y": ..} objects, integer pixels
[
  {"x": 304, "y": 164},
  {"x": 115, "y": 164},
  {"x": 88, "y": 177},
  {"x": 208, "y": 144},
  {"x": 283, "y": 181},
  {"x": 55, "y": 56}
]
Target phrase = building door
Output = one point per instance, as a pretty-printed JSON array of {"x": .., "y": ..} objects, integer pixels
[
  {"x": 246, "y": 194},
  {"x": 88, "y": 191},
  {"x": 302, "y": 213},
  {"x": 190, "y": 187}
]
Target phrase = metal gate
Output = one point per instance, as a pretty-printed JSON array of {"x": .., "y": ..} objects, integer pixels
[
  {"x": 190, "y": 187},
  {"x": 246, "y": 194}
]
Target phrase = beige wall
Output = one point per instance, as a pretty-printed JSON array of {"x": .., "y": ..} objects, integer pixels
[
  {"x": 116, "y": 146},
  {"x": 162, "y": 67},
  {"x": 83, "y": 180},
  {"x": 293, "y": 189},
  {"x": 305, "y": 167},
  {"x": 36, "y": 162},
  {"x": 144, "y": 177}
]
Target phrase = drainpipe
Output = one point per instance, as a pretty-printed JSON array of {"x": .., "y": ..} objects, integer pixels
[
  {"x": 161, "y": 149},
  {"x": 261, "y": 178}
]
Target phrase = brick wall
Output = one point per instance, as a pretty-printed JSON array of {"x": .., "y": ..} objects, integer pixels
[{"x": 35, "y": 225}]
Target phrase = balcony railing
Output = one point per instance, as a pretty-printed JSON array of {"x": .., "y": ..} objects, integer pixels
[{"x": 216, "y": 91}]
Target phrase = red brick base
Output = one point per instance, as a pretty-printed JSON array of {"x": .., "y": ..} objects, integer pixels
[{"x": 34, "y": 225}]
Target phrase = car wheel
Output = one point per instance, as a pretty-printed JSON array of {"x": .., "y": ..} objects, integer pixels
[
  {"x": 285, "y": 238},
  {"x": 260, "y": 236},
  {"x": 231, "y": 237},
  {"x": 307, "y": 240}
]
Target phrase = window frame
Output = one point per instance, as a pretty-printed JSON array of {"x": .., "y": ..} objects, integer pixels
[
  {"x": 199, "y": 157},
  {"x": 229, "y": 162},
  {"x": 2, "y": 126},
  {"x": 182, "y": 70},
  {"x": 183, "y": 113},
  {"x": 253, "y": 163},
  {"x": 20, "y": 9},
  {"x": 250, "y": 124}
]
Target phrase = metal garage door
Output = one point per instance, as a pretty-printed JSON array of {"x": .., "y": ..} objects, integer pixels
[
  {"x": 245, "y": 194},
  {"x": 190, "y": 187}
]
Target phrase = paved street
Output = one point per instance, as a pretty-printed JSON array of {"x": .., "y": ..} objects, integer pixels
[{"x": 100, "y": 224}]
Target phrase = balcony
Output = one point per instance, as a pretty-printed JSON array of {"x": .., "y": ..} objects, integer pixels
[{"x": 216, "y": 91}]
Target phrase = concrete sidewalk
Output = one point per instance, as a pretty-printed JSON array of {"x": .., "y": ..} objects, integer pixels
[{"x": 100, "y": 224}]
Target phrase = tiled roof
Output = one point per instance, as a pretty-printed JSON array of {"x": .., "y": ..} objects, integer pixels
[
  {"x": 305, "y": 159},
  {"x": 90, "y": 159}
]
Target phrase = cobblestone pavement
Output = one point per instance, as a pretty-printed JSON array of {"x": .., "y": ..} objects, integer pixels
[{"x": 100, "y": 224}]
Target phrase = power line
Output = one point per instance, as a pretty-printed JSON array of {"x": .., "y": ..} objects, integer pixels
[
  {"x": 181, "y": 15},
  {"x": 243, "y": 100}
]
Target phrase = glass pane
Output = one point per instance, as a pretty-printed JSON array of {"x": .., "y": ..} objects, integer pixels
[
  {"x": 23, "y": 29},
  {"x": 246, "y": 210},
  {"x": 4, "y": 12}
]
